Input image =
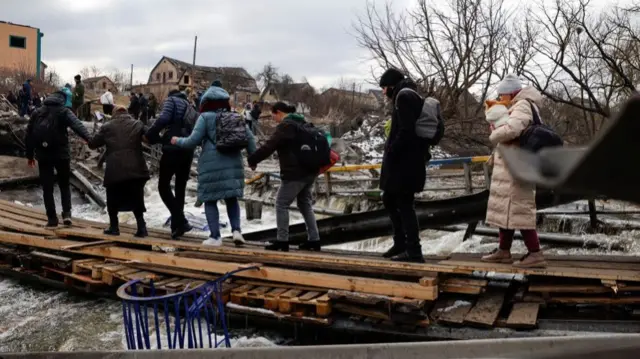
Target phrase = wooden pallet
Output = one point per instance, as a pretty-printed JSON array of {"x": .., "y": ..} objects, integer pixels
[
  {"x": 296, "y": 302},
  {"x": 76, "y": 281}
]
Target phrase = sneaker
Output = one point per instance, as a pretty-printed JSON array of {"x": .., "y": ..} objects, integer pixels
[
  {"x": 531, "y": 260},
  {"x": 238, "y": 240},
  {"x": 215, "y": 242},
  {"x": 498, "y": 256},
  {"x": 278, "y": 246},
  {"x": 310, "y": 246},
  {"x": 66, "y": 219}
]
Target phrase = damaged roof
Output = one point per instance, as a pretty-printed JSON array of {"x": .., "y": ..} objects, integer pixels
[{"x": 236, "y": 78}]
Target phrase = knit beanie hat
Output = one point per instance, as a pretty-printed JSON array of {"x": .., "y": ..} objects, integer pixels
[
  {"x": 216, "y": 83},
  {"x": 509, "y": 84},
  {"x": 391, "y": 77}
]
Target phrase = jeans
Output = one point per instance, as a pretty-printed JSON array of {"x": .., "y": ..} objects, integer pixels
[
  {"x": 406, "y": 231},
  {"x": 24, "y": 108},
  {"x": 213, "y": 216},
  {"x": 300, "y": 190},
  {"x": 178, "y": 164},
  {"x": 530, "y": 237},
  {"x": 47, "y": 178}
]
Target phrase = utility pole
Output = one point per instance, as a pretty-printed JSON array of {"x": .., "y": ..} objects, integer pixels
[
  {"x": 193, "y": 67},
  {"x": 131, "y": 79}
]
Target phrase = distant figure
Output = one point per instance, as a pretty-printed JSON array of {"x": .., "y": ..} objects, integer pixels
[
  {"x": 107, "y": 102},
  {"x": 198, "y": 99},
  {"x": 47, "y": 139},
  {"x": 291, "y": 137},
  {"x": 78, "y": 95},
  {"x": 403, "y": 166},
  {"x": 144, "y": 108},
  {"x": 134, "y": 106},
  {"x": 256, "y": 111},
  {"x": 175, "y": 161},
  {"x": 69, "y": 100},
  {"x": 220, "y": 174},
  {"x": 11, "y": 97},
  {"x": 25, "y": 98},
  {"x": 512, "y": 205},
  {"x": 153, "y": 105},
  {"x": 126, "y": 172}
]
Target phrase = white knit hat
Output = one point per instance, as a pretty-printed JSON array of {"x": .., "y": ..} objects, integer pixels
[{"x": 509, "y": 84}]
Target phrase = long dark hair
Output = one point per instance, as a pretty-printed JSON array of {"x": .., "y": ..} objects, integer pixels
[{"x": 283, "y": 107}]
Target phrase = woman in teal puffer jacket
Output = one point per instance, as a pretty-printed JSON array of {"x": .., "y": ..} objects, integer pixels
[
  {"x": 67, "y": 92},
  {"x": 220, "y": 175}
]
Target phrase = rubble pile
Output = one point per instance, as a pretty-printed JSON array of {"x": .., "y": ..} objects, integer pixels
[{"x": 12, "y": 127}]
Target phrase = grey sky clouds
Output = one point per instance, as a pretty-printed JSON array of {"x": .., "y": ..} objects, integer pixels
[{"x": 310, "y": 38}]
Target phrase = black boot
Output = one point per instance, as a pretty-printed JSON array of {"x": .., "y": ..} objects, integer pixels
[
  {"x": 142, "y": 226},
  {"x": 310, "y": 246},
  {"x": 278, "y": 246},
  {"x": 397, "y": 248},
  {"x": 66, "y": 218},
  {"x": 114, "y": 227},
  {"x": 181, "y": 230},
  {"x": 52, "y": 223},
  {"x": 413, "y": 254}
]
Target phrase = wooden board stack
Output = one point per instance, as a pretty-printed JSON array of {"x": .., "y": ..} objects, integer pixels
[{"x": 317, "y": 288}]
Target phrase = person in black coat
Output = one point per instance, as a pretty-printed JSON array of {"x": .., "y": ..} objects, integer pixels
[
  {"x": 126, "y": 173},
  {"x": 134, "y": 106},
  {"x": 403, "y": 166},
  {"x": 144, "y": 108}
]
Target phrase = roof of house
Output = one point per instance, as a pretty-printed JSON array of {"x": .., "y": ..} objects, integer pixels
[
  {"x": 286, "y": 90},
  {"x": 378, "y": 94},
  {"x": 342, "y": 92},
  {"x": 233, "y": 77},
  {"x": 10, "y": 23},
  {"x": 95, "y": 79}
]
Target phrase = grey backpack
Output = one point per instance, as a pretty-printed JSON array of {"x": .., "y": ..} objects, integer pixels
[{"x": 430, "y": 124}]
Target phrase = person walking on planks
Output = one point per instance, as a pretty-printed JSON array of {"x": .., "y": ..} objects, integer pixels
[
  {"x": 126, "y": 172},
  {"x": 175, "y": 161},
  {"x": 294, "y": 139},
  {"x": 403, "y": 166},
  {"x": 220, "y": 166},
  {"x": 47, "y": 139},
  {"x": 512, "y": 205}
]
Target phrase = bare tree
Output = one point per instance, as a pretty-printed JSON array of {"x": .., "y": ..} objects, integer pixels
[
  {"x": 450, "y": 49},
  {"x": 119, "y": 78},
  {"x": 268, "y": 76}
]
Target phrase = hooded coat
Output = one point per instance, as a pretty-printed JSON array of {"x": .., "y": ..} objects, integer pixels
[
  {"x": 122, "y": 137},
  {"x": 512, "y": 204},
  {"x": 220, "y": 175},
  {"x": 405, "y": 154}
]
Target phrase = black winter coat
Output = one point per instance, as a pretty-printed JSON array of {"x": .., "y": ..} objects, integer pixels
[
  {"x": 283, "y": 141},
  {"x": 171, "y": 122},
  {"x": 55, "y": 111},
  {"x": 123, "y": 138},
  {"x": 405, "y": 154}
]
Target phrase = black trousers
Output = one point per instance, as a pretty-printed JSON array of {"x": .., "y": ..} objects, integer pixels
[
  {"x": 47, "y": 178},
  {"x": 178, "y": 164},
  {"x": 406, "y": 231},
  {"x": 144, "y": 116},
  {"x": 107, "y": 109}
]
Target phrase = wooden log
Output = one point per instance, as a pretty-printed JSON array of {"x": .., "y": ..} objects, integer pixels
[
  {"x": 568, "y": 288},
  {"x": 455, "y": 312},
  {"x": 51, "y": 257}
]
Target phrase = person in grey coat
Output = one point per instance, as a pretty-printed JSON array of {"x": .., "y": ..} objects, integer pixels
[{"x": 126, "y": 173}]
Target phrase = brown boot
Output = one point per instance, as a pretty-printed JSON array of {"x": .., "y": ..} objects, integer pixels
[
  {"x": 498, "y": 256},
  {"x": 531, "y": 260}
]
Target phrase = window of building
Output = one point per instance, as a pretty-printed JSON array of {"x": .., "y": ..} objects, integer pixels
[
  {"x": 17, "y": 42},
  {"x": 170, "y": 75},
  {"x": 186, "y": 79},
  {"x": 158, "y": 77},
  {"x": 164, "y": 77},
  {"x": 104, "y": 85}
]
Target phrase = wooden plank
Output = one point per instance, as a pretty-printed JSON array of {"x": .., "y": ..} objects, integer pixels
[
  {"x": 461, "y": 289},
  {"x": 89, "y": 244},
  {"x": 523, "y": 316},
  {"x": 24, "y": 228},
  {"x": 466, "y": 282},
  {"x": 595, "y": 300},
  {"x": 77, "y": 277},
  {"x": 284, "y": 303},
  {"x": 242, "y": 289},
  {"x": 76, "y": 264},
  {"x": 371, "y": 299},
  {"x": 568, "y": 288},
  {"x": 549, "y": 271},
  {"x": 272, "y": 298},
  {"x": 309, "y": 296},
  {"x": 51, "y": 257},
  {"x": 258, "y": 292},
  {"x": 486, "y": 310},
  {"x": 275, "y": 293},
  {"x": 455, "y": 312},
  {"x": 361, "y": 311}
]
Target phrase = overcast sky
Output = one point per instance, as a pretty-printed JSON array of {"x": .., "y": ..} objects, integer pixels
[{"x": 310, "y": 38}]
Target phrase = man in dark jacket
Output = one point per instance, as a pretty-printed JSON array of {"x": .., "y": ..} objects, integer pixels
[
  {"x": 403, "y": 166},
  {"x": 26, "y": 98},
  {"x": 144, "y": 108},
  {"x": 78, "y": 96},
  {"x": 153, "y": 105},
  {"x": 175, "y": 161},
  {"x": 48, "y": 140},
  {"x": 134, "y": 106},
  {"x": 297, "y": 182}
]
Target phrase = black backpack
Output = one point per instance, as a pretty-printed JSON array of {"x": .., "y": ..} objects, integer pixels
[
  {"x": 189, "y": 119},
  {"x": 231, "y": 132},
  {"x": 311, "y": 147},
  {"x": 538, "y": 135},
  {"x": 44, "y": 130}
]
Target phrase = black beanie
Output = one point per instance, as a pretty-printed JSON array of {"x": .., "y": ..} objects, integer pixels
[{"x": 391, "y": 77}]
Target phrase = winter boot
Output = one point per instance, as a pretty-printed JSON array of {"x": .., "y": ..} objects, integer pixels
[
  {"x": 531, "y": 260},
  {"x": 498, "y": 256},
  {"x": 412, "y": 254},
  {"x": 397, "y": 248},
  {"x": 142, "y": 230},
  {"x": 313, "y": 246},
  {"x": 66, "y": 218},
  {"x": 278, "y": 246},
  {"x": 52, "y": 223},
  {"x": 114, "y": 227}
]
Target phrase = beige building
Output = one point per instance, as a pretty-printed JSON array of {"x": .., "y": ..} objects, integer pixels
[
  {"x": 169, "y": 74},
  {"x": 341, "y": 98},
  {"x": 100, "y": 84},
  {"x": 21, "y": 49}
]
